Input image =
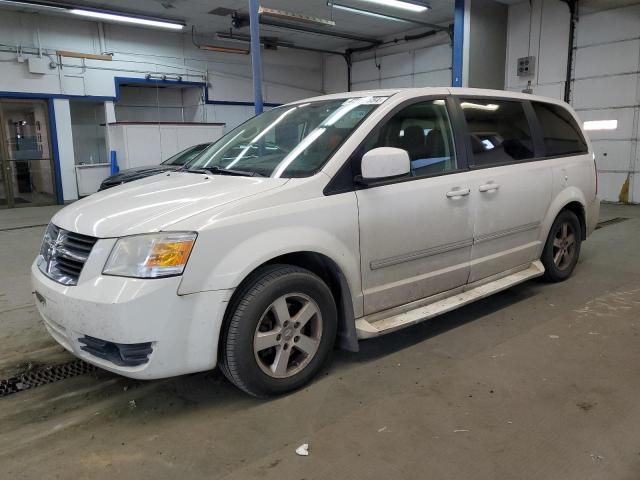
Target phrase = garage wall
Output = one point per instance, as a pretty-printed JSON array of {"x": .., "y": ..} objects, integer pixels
[
  {"x": 421, "y": 63},
  {"x": 138, "y": 52},
  {"x": 605, "y": 80},
  {"x": 288, "y": 75}
]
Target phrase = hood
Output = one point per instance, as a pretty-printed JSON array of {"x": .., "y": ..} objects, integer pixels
[
  {"x": 131, "y": 174},
  {"x": 152, "y": 204}
]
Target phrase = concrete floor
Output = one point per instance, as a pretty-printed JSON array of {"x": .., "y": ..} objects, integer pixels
[{"x": 538, "y": 382}]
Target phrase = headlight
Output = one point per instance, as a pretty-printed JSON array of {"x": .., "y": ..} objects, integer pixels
[{"x": 150, "y": 256}]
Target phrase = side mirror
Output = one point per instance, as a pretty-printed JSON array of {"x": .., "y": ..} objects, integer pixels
[{"x": 383, "y": 163}]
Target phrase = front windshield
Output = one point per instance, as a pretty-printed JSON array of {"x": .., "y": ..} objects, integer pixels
[
  {"x": 288, "y": 141},
  {"x": 185, "y": 156}
]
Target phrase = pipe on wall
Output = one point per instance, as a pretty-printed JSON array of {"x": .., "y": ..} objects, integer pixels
[{"x": 573, "y": 12}]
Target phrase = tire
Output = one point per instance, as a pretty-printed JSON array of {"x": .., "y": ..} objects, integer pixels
[
  {"x": 279, "y": 332},
  {"x": 562, "y": 249}
]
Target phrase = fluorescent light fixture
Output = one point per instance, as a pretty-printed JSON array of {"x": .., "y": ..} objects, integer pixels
[
  {"x": 295, "y": 17},
  {"x": 401, "y": 4},
  {"x": 122, "y": 18},
  {"x": 360, "y": 11},
  {"x": 601, "y": 124}
]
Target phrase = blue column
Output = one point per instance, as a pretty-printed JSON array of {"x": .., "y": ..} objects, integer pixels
[
  {"x": 458, "y": 44},
  {"x": 256, "y": 60}
]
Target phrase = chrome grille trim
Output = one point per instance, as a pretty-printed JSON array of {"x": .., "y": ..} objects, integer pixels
[{"x": 63, "y": 254}]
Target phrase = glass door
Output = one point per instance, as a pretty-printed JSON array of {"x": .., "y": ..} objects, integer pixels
[{"x": 27, "y": 177}]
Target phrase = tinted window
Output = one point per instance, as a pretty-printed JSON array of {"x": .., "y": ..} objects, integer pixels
[
  {"x": 424, "y": 131},
  {"x": 499, "y": 131},
  {"x": 562, "y": 136}
]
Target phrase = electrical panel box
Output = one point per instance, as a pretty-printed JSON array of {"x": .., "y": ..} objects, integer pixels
[
  {"x": 526, "y": 66},
  {"x": 38, "y": 65}
]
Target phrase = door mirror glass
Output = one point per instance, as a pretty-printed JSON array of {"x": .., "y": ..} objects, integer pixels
[{"x": 385, "y": 162}]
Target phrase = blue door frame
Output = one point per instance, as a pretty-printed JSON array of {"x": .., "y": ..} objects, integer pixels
[{"x": 458, "y": 44}]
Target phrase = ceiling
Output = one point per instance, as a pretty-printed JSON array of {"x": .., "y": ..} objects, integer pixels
[{"x": 196, "y": 13}]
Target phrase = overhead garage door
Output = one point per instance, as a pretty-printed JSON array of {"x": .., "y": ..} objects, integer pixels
[{"x": 606, "y": 86}]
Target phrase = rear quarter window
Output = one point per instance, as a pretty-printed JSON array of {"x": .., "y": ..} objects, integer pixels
[{"x": 562, "y": 135}]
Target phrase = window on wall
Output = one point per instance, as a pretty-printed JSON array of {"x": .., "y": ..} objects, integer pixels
[
  {"x": 499, "y": 131},
  {"x": 424, "y": 131},
  {"x": 562, "y": 135},
  {"x": 89, "y": 135}
]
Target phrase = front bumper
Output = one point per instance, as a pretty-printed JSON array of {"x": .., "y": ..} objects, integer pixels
[{"x": 183, "y": 330}]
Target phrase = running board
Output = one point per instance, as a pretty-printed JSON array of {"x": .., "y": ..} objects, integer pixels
[{"x": 366, "y": 329}]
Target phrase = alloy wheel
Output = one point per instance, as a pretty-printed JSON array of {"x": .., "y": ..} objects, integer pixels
[
  {"x": 564, "y": 246},
  {"x": 288, "y": 335}
]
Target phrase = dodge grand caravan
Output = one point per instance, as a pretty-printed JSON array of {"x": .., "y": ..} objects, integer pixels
[{"x": 324, "y": 221}]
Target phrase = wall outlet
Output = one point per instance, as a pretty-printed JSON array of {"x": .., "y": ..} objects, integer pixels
[{"x": 526, "y": 66}]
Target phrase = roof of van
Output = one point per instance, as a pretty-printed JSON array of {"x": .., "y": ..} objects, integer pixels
[{"x": 417, "y": 92}]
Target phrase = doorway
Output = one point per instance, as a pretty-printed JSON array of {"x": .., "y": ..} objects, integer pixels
[{"x": 26, "y": 164}]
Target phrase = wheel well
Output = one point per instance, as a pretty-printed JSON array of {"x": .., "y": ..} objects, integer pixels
[
  {"x": 332, "y": 275},
  {"x": 578, "y": 209}
]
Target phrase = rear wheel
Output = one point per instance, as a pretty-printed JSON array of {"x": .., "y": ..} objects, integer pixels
[
  {"x": 281, "y": 331},
  {"x": 562, "y": 249}
]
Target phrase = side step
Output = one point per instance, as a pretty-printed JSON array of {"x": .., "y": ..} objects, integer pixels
[{"x": 471, "y": 293}]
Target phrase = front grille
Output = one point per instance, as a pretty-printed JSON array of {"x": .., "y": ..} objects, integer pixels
[
  {"x": 121, "y": 354},
  {"x": 63, "y": 254}
]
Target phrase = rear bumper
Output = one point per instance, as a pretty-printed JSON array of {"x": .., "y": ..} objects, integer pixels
[
  {"x": 181, "y": 331},
  {"x": 593, "y": 215}
]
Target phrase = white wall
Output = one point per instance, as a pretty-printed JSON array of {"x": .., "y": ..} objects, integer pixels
[
  {"x": 486, "y": 38},
  {"x": 605, "y": 81},
  {"x": 288, "y": 75},
  {"x": 420, "y": 63},
  {"x": 65, "y": 149}
]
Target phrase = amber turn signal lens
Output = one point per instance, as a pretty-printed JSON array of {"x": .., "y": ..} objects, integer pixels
[{"x": 169, "y": 254}]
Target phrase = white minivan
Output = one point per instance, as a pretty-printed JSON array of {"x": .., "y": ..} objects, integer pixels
[{"x": 323, "y": 221}]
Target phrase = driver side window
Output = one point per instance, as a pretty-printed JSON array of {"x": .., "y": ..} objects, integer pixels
[{"x": 422, "y": 129}]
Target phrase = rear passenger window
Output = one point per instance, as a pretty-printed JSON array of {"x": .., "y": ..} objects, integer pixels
[
  {"x": 499, "y": 131},
  {"x": 562, "y": 136},
  {"x": 424, "y": 131}
]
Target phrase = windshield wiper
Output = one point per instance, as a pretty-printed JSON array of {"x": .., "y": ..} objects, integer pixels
[{"x": 224, "y": 171}]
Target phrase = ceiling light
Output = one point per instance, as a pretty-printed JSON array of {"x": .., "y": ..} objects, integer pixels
[
  {"x": 295, "y": 17},
  {"x": 401, "y": 4},
  {"x": 215, "y": 48},
  {"x": 339, "y": 6},
  {"x": 114, "y": 17},
  {"x": 601, "y": 124}
]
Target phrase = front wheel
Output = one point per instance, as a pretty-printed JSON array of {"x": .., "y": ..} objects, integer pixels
[
  {"x": 280, "y": 333},
  {"x": 562, "y": 249}
]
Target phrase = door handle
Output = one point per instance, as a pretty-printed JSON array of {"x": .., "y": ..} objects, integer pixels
[
  {"x": 457, "y": 193},
  {"x": 489, "y": 187}
]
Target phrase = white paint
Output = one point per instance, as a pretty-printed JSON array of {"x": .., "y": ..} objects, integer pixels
[
  {"x": 90, "y": 177},
  {"x": 65, "y": 149}
]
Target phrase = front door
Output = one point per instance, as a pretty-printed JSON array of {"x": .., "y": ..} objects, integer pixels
[
  {"x": 512, "y": 188},
  {"x": 26, "y": 167},
  {"x": 415, "y": 233}
]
